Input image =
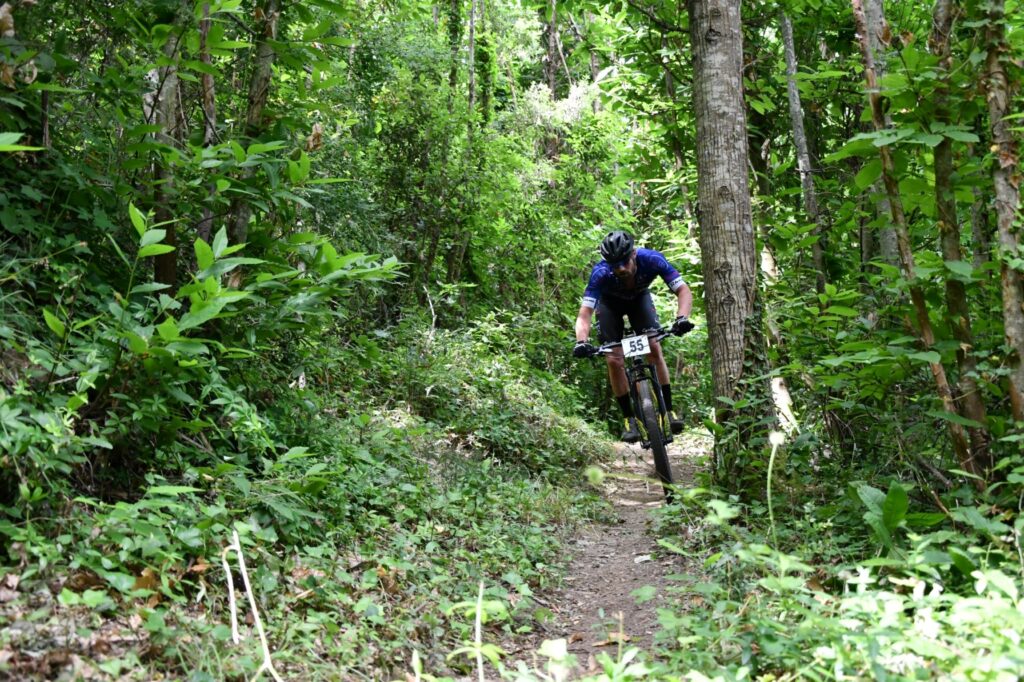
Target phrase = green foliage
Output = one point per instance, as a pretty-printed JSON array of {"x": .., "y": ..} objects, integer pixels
[{"x": 823, "y": 605}]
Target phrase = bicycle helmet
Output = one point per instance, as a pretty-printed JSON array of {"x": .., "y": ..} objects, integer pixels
[{"x": 616, "y": 246}]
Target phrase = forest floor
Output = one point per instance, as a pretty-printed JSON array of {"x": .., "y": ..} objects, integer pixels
[{"x": 619, "y": 575}]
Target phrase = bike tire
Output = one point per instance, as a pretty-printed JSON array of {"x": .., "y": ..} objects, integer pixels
[{"x": 652, "y": 423}]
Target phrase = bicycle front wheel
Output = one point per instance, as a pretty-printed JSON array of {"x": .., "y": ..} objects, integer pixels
[{"x": 652, "y": 424}]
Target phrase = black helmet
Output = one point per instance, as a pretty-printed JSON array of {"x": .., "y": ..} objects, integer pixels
[{"x": 616, "y": 246}]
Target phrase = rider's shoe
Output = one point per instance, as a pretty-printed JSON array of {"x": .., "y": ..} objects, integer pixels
[
  {"x": 632, "y": 433},
  {"x": 675, "y": 422}
]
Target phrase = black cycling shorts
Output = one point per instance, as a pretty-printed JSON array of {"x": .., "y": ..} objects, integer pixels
[{"x": 610, "y": 311}]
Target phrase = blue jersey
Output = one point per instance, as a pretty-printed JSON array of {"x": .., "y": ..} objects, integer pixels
[{"x": 649, "y": 265}]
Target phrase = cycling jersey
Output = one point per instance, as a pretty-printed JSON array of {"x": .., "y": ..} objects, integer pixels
[{"x": 649, "y": 265}]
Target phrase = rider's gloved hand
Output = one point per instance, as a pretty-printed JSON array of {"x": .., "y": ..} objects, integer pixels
[
  {"x": 681, "y": 325},
  {"x": 583, "y": 349}
]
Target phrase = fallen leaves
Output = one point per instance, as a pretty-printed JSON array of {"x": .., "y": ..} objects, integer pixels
[
  {"x": 614, "y": 638},
  {"x": 9, "y": 587}
]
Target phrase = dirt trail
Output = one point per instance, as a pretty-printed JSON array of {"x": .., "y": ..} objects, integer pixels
[{"x": 611, "y": 561}]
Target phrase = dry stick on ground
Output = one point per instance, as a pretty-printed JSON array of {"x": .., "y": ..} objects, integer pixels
[
  {"x": 899, "y": 219},
  {"x": 236, "y": 546}
]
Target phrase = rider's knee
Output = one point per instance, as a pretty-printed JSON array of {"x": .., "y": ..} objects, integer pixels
[{"x": 616, "y": 362}]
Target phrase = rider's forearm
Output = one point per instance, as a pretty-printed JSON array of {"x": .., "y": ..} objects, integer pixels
[
  {"x": 685, "y": 297},
  {"x": 583, "y": 325}
]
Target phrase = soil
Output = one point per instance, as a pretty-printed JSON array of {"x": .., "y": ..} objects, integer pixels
[{"x": 598, "y": 608}]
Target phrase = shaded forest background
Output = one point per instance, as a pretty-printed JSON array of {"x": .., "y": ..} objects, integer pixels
[{"x": 307, "y": 272}]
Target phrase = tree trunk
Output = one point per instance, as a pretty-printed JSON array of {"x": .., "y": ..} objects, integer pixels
[
  {"x": 205, "y": 227},
  {"x": 259, "y": 88},
  {"x": 803, "y": 154},
  {"x": 550, "y": 67},
  {"x": 454, "y": 42},
  {"x": 472, "y": 66},
  {"x": 593, "y": 65},
  {"x": 957, "y": 435},
  {"x": 676, "y": 143},
  {"x": 1005, "y": 177},
  {"x": 878, "y": 37},
  {"x": 165, "y": 110},
  {"x": 949, "y": 230},
  {"x": 728, "y": 250}
]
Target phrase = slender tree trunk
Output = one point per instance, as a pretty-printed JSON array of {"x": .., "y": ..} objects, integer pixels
[
  {"x": 1005, "y": 177},
  {"x": 472, "y": 65},
  {"x": 949, "y": 230},
  {"x": 728, "y": 250},
  {"x": 593, "y": 64},
  {"x": 259, "y": 88},
  {"x": 957, "y": 435},
  {"x": 676, "y": 143},
  {"x": 980, "y": 247},
  {"x": 454, "y": 42},
  {"x": 205, "y": 228},
  {"x": 44, "y": 117},
  {"x": 165, "y": 265},
  {"x": 803, "y": 154},
  {"x": 879, "y": 37},
  {"x": 551, "y": 66}
]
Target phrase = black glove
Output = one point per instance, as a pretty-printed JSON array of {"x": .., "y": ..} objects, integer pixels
[
  {"x": 583, "y": 349},
  {"x": 681, "y": 325}
]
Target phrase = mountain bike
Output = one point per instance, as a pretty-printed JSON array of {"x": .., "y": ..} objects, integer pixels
[{"x": 648, "y": 403}]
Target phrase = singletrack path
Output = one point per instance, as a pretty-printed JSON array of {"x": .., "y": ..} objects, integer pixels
[{"x": 607, "y": 597}]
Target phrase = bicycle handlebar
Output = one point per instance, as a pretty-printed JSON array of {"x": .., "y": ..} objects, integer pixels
[{"x": 654, "y": 334}]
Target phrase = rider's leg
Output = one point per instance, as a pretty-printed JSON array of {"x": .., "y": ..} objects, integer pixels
[
  {"x": 644, "y": 316},
  {"x": 609, "y": 325},
  {"x": 657, "y": 358}
]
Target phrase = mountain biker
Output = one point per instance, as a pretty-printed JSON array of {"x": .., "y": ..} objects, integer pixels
[{"x": 618, "y": 287}]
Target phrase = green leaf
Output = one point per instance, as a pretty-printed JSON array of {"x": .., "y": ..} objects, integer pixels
[
  {"x": 928, "y": 356},
  {"x": 961, "y": 136},
  {"x": 149, "y": 288},
  {"x": 155, "y": 250},
  {"x": 926, "y": 138},
  {"x": 138, "y": 220},
  {"x": 196, "y": 317},
  {"x": 8, "y": 140},
  {"x": 868, "y": 174},
  {"x": 172, "y": 490},
  {"x": 955, "y": 419},
  {"x": 894, "y": 509},
  {"x": 841, "y": 310},
  {"x": 204, "y": 254},
  {"x": 168, "y": 330},
  {"x": 220, "y": 242},
  {"x": 152, "y": 237},
  {"x": 960, "y": 268},
  {"x": 924, "y": 519},
  {"x": 136, "y": 343},
  {"x": 872, "y": 497},
  {"x": 55, "y": 325}
]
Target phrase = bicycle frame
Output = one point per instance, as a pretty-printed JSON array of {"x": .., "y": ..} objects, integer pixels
[{"x": 639, "y": 369}]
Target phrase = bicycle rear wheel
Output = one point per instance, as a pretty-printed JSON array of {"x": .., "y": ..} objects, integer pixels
[{"x": 652, "y": 424}]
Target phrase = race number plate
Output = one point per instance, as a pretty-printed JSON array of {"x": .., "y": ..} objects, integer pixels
[{"x": 636, "y": 345}]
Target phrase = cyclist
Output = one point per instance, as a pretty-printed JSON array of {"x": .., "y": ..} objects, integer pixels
[{"x": 619, "y": 286}]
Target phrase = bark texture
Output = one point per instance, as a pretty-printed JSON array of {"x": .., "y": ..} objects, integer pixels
[
  {"x": 267, "y": 14},
  {"x": 803, "y": 153},
  {"x": 727, "y": 244},
  {"x": 165, "y": 114},
  {"x": 969, "y": 392},
  {"x": 876, "y": 30},
  {"x": 205, "y": 228},
  {"x": 1006, "y": 179},
  {"x": 957, "y": 435}
]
